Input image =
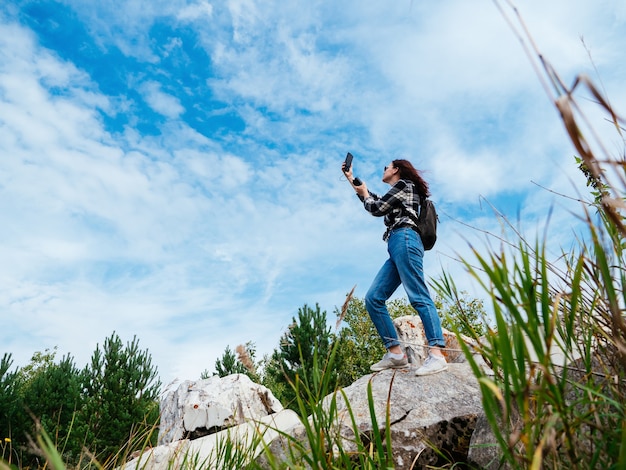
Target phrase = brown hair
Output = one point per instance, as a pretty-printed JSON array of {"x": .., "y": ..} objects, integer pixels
[{"x": 408, "y": 172}]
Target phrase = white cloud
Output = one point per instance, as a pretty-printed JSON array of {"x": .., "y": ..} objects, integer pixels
[
  {"x": 195, "y": 11},
  {"x": 161, "y": 102}
]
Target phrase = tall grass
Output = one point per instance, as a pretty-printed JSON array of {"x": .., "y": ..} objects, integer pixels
[
  {"x": 558, "y": 348},
  {"x": 324, "y": 446},
  {"x": 558, "y": 396}
]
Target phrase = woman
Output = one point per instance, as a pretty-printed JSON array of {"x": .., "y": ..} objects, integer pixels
[{"x": 399, "y": 207}]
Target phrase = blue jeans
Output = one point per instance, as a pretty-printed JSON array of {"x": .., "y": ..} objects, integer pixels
[{"x": 404, "y": 266}]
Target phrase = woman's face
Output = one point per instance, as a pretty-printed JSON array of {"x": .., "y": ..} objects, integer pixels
[{"x": 390, "y": 174}]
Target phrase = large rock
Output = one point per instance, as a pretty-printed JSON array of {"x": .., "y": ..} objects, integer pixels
[
  {"x": 209, "y": 452},
  {"x": 425, "y": 413},
  {"x": 193, "y": 409},
  {"x": 484, "y": 450},
  {"x": 437, "y": 411}
]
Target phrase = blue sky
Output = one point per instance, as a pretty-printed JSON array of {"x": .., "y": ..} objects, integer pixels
[{"x": 171, "y": 169}]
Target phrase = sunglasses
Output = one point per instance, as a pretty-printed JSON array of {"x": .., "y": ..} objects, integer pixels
[{"x": 389, "y": 167}]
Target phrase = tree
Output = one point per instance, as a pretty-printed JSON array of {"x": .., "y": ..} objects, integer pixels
[
  {"x": 228, "y": 364},
  {"x": 305, "y": 345},
  {"x": 121, "y": 389},
  {"x": 464, "y": 315},
  {"x": 42, "y": 394},
  {"x": 8, "y": 397},
  {"x": 52, "y": 398},
  {"x": 38, "y": 362},
  {"x": 242, "y": 363}
]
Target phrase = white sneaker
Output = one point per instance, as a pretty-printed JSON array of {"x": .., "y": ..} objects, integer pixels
[
  {"x": 432, "y": 365},
  {"x": 388, "y": 362}
]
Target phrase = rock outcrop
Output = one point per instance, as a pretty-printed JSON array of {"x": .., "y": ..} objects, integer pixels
[
  {"x": 425, "y": 413},
  {"x": 200, "y": 417},
  {"x": 208, "y": 452},
  {"x": 192, "y": 409},
  {"x": 431, "y": 419}
]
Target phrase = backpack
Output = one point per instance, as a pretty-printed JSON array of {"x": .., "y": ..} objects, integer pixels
[{"x": 427, "y": 223}]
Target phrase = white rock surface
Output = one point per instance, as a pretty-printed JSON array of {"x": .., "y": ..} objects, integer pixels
[
  {"x": 203, "y": 452},
  {"x": 196, "y": 408}
]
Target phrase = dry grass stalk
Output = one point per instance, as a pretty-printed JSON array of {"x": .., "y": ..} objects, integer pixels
[
  {"x": 244, "y": 357},
  {"x": 344, "y": 307}
]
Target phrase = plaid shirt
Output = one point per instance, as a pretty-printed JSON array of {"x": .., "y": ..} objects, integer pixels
[{"x": 395, "y": 206}]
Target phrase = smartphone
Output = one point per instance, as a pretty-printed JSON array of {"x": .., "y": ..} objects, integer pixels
[{"x": 347, "y": 163}]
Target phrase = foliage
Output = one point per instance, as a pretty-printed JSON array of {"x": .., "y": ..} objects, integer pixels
[
  {"x": 8, "y": 405},
  {"x": 52, "y": 398},
  {"x": 226, "y": 365},
  {"x": 242, "y": 363},
  {"x": 273, "y": 378},
  {"x": 360, "y": 344},
  {"x": 121, "y": 390},
  {"x": 599, "y": 189},
  {"x": 38, "y": 362},
  {"x": 41, "y": 394},
  {"x": 307, "y": 338},
  {"x": 97, "y": 408},
  {"x": 545, "y": 414},
  {"x": 465, "y": 316}
]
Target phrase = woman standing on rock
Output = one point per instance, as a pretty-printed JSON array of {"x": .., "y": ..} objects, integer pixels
[{"x": 399, "y": 207}]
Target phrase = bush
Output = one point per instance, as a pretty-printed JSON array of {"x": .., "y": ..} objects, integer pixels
[{"x": 121, "y": 392}]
